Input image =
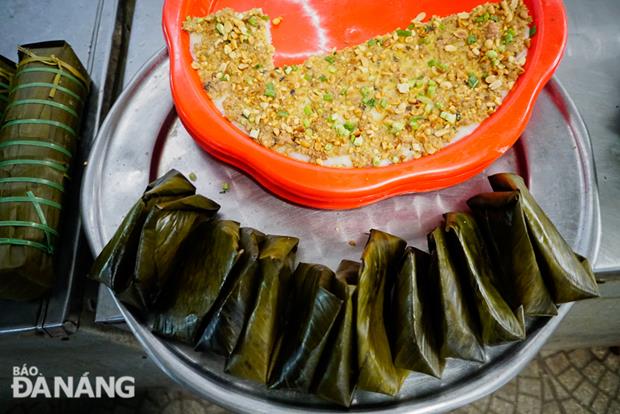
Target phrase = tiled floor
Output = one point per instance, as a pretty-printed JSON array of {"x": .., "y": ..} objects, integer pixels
[
  {"x": 567, "y": 382},
  {"x": 580, "y": 381}
]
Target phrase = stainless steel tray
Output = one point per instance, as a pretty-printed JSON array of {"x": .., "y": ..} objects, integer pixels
[{"x": 142, "y": 138}]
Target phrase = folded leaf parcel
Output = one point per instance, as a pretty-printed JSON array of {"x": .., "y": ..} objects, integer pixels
[{"x": 234, "y": 291}]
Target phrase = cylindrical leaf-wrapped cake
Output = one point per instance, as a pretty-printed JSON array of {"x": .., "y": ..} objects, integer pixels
[{"x": 38, "y": 137}]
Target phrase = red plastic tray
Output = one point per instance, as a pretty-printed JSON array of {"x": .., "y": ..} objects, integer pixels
[{"x": 343, "y": 23}]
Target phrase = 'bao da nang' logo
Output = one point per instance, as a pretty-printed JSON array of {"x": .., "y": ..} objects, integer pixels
[{"x": 29, "y": 382}]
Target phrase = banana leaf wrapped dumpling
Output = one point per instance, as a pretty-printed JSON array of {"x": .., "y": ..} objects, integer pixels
[
  {"x": 114, "y": 266},
  {"x": 213, "y": 251},
  {"x": 459, "y": 329},
  {"x": 166, "y": 230},
  {"x": 380, "y": 259},
  {"x": 416, "y": 344},
  {"x": 564, "y": 274},
  {"x": 497, "y": 320},
  {"x": 502, "y": 222},
  {"x": 252, "y": 357},
  {"x": 337, "y": 373},
  {"x": 311, "y": 313},
  {"x": 235, "y": 305}
]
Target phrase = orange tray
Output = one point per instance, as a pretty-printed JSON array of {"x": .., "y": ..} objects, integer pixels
[{"x": 343, "y": 23}]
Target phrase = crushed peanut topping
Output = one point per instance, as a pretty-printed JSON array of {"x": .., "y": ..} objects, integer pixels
[{"x": 396, "y": 97}]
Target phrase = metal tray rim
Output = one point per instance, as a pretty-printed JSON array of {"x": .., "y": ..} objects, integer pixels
[{"x": 167, "y": 360}]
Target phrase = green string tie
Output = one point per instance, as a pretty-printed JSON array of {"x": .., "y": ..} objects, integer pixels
[
  {"x": 43, "y": 102},
  {"x": 34, "y": 143},
  {"x": 43, "y": 226},
  {"x": 46, "y": 163},
  {"x": 46, "y": 85},
  {"x": 39, "y": 122}
]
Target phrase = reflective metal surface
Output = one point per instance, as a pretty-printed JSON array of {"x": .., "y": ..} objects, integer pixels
[
  {"x": 589, "y": 71},
  {"x": 142, "y": 138}
]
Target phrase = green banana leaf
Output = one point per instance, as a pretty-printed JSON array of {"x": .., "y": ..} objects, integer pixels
[
  {"x": 416, "y": 345},
  {"x": 498, "y": 321},
  {"x": 458, "y": 325},
  {"x": 336, "y": 375},
  {"x": 209, "y": 260},
  {"x": 310, "y": 317},
  {"x": 164, "y": 235},
  {"x": 7, "y": 72},
  {"x": 39, "y": 135},
  {"x": 252, "y": 357},
  {"x": 566, "y": 278},
  {"x": 380, "y": 259},
  {"x": 114, "y": 266},
  {"x": 503, "y": 224},
  {"x": 232, "y": 312}
]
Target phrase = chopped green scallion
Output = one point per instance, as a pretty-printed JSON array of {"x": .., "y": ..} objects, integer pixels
[
  {"x": 270, "y": 90},
  {"x": 413, "y": 122},
  {"x": 434, "y": 63},
  {"x": 341, "y": 130},
  {"x": 403, "y": 33},
  {"x": 471, "y": 39},
  {"x": 330, "y": 59},
  {"x": 252, "y": 21},
  {"x": 328, "y": 97},
  {"x": 491, "y": 54},
  {"x": 483, "y": 18},
  {"x": 370, "y": 102},
  {"x": 508, "y": 37},
  {"x": 472, "y": 80}
]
